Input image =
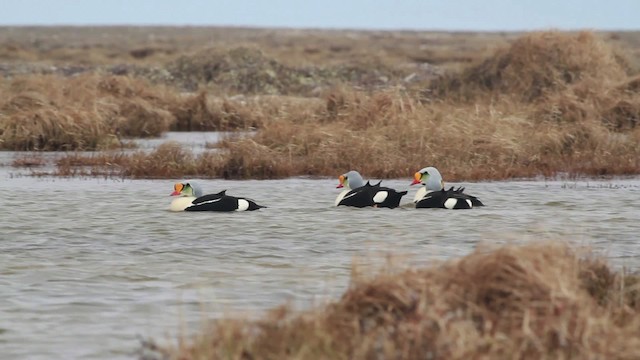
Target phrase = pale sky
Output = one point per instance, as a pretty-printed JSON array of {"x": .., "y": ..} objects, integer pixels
[{"x": 353, "y": 14}]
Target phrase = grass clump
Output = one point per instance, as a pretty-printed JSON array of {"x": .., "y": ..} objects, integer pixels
[
  {"x": 94, "y": 112},
  {"x": 564, "y": 104},
  {"x": 536, "y": 64},
  {"x": 391, "y": 135},
  {"x": 241, "y": 70},
  {"x": 532, "y": 301},
  {"x": 203, "y": 112},
  {"x": 248, "y": 70},
  {"x": 549, "y": 103},
  {"x": 87, "y": 112}
]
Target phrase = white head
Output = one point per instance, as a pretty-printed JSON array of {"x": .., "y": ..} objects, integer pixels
[
  {"x": 350, "y": 180},
  {"x": 430, "y": 177}
]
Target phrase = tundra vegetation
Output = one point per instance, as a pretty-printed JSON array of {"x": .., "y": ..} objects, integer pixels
[
  {"x": 480, "y": 106},
  {"x": 318, "y": 103}
]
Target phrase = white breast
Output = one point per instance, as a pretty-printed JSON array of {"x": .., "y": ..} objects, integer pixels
[
  {"x": 341, "y": 196},
  {"x": 181, "y": 202},
  {"x": 421, "y": 193}
]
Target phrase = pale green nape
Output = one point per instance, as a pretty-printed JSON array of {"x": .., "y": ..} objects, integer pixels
[
  {"x": 187, "y": 190},
  {"x": 191, "y": 188}
]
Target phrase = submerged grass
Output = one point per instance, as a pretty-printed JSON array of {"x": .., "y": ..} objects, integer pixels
[{"x": 532, "y": 301}]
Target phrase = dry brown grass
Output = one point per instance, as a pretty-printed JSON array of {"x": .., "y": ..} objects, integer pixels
[
  {"x": 562, "y": 103},
  {"x": 157, "y": 46},
  {"x": 548, "y": 103},
  {"x": 30, "y": 160},
  {"x": 203, "y": 112},
  {"x": 534, "y": 301},
  {"x": 537, "y": 64},
  {"x": 390, "y": 134},
  {"x": 167, "y": 161},
  {"x": 94, "y": 112}
]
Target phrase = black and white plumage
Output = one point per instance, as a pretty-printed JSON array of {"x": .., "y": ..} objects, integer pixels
[
  {"x": 434, "y": 195},
  {"x": 359, "y": 194},
  {"x": 190, "y": 198}
]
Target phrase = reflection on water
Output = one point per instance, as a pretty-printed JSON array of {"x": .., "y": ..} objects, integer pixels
[
  {"x": 87, "y": 265},
  {"x": 196, "y": 141}
]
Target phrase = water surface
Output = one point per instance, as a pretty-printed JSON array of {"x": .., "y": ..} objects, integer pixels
[{"x": 87, "y": 265}]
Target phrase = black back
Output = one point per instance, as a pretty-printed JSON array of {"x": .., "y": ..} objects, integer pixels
[
  {"x": 363, "y": 196},
  {"x": 220, "y": 202},
  {"x": 358, "y": 197},
  {"x": 436, "y": 199}
]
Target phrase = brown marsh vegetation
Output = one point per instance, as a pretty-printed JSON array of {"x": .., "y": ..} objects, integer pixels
[
  {"x": 478, "y": 106},
  {"x": 532, "y": 301}
]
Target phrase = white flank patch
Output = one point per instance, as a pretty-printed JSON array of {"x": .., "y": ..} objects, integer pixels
[
  {"x": 469, "y": 202},
  {"x": 242, "y": 205},
  {"x": 450, "y": 203},
  {"x": 420, "y": 194},
  {"x": 380, "y": 197},
  {"x": 341, "y": 196}
]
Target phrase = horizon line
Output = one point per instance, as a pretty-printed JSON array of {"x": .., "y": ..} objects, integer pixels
[{"x": 323, "y": 28}]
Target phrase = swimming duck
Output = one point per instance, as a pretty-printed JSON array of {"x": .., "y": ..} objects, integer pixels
[
  {"x": 359, "y": 194},
  {"x": 433, "y": 194},
  {"x": 190, "y": 198}
]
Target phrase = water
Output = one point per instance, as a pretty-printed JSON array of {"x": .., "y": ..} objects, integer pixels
[{"x": 88, "y": 265}]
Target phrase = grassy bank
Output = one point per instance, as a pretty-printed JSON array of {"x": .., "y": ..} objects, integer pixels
[
  {"x": 535, "y": 104},
  {"x": 534, "y": 301},
  {"x": 97, "y": 111}
]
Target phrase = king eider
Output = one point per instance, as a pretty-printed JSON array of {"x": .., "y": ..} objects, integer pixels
[
  {"x": 359, "y": 194},
  {"x": 189, "y": 198},
  {"x": 433, "y": 194}
]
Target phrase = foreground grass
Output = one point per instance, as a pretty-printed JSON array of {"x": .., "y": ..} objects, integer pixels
[{"x": 540, "y": 300}]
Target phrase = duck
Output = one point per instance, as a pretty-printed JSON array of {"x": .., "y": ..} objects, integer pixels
[
  {"x": 189, "y": 198},
  {"x": 434, "y": 195},
  {"x": 359, "y": 194}
]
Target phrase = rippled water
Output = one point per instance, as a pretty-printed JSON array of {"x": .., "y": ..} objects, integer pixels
[{"x": 87, "y": 265}]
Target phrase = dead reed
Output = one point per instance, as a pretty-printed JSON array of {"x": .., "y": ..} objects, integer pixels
[
  {"x": 561, "y": 103},
  {"x": 95, "y": 112},
  {"x": 549, "y": 103},
  {"x": 27, "y": 161},
  {"x": 539, "y": 300},
  {"x": 391, "y": 134},
  {"x": 536, "y": 64}
]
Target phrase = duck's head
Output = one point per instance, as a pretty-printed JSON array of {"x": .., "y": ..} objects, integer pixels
[
  {"x": 187, "y": 189},
  {"x": 350, "y": 180},
  {"x": 430, "y": 177}
]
